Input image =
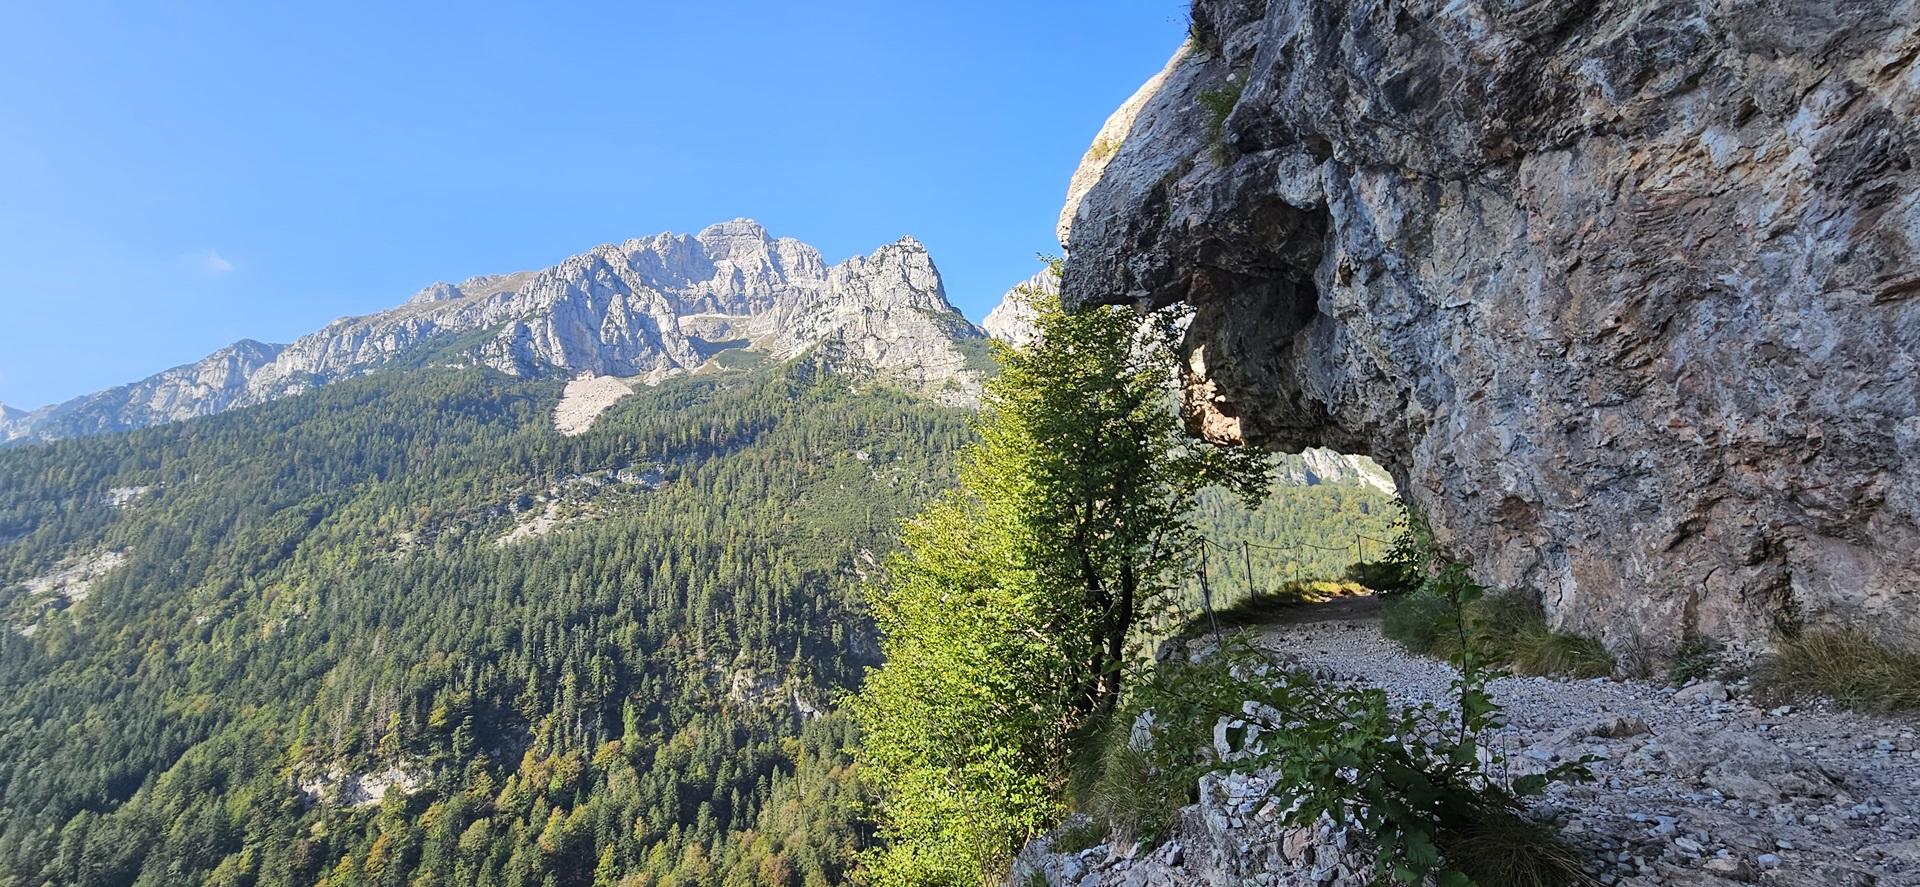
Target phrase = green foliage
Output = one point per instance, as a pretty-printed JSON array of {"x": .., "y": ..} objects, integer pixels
[
  {"x": 1508, "y": 628},
  {"x": 1296, "y": 534},
  {"x": 1405, "y": 565},
  {"x": 959, "y": 728},
  {"x": 1008, "y": 613},
  {"x": 1699, "y": 657},
  {"x": 1414, "y": 779},
  {"x": 1850, "y": 667},
  {"x": 1119, "y": 784},
  {"x": 315, "y": 583},
  {"x": 1219, "y": 104}
]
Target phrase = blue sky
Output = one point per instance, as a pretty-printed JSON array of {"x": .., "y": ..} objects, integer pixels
[{"x": 177, "y": 176}]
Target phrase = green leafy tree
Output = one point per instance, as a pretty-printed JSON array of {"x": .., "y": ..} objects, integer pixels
[{"x": 1007, "y": 615}]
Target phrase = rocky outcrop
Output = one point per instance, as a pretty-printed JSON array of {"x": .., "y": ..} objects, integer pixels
[
  {"x": 649, "y": 307},
  {"x": 1625, "y": 294},
  {"x": 1012, "y": 321},
  {"x": 210, "y": 385},
  {"x": 1318, "y": 465},
  {"x": 1689, "y": 788}
]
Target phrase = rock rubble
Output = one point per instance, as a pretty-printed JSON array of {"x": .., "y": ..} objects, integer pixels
[{"x": 1696, "y": 786}]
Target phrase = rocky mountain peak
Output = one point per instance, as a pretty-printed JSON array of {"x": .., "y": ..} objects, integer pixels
[
  {"x": 437, "y": 291},
  {"x": 1011, "y": 321},
  {"x": 644, "y": 308}
]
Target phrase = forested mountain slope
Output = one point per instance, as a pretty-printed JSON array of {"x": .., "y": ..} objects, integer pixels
[
  {"x": 313, "y": 607},
  {"x": 401, "y": 630}
]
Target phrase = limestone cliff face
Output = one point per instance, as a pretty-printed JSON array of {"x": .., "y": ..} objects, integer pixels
[
  {"x": 209, "y": 385},
  {"x": 649, "y": 307},
  {"x": 1625, "y": 294},
  {"x": 1012, "y": 320}
]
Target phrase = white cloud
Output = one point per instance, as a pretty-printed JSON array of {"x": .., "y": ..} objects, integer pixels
[{"x": 214, "y": 263}]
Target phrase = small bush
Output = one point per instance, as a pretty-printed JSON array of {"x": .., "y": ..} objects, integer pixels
[
  {"x": 1508, "y": 628},
  {"x": 1850, "y": 667},
  {"x": 1698, "y": 658},
  {"x": 1411, "y": 777}
]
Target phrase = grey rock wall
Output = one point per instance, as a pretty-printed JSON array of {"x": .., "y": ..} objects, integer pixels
[{"x": 1624, "y": 294}]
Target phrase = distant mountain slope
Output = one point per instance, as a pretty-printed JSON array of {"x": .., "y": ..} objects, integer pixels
[
  {"x": 1012, "y": 319},
  {"x": 650, "y": 307},
  {"x": 210, "y": 385},
  {"x": 400, "y": 623}
]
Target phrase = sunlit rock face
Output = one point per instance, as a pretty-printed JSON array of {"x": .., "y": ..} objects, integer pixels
[
  {"x": 646, "y": 308},
  {"x": 1625, "y": 294}
]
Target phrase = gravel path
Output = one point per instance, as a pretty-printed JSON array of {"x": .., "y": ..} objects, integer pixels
[{"x": 1696, "y": 786}]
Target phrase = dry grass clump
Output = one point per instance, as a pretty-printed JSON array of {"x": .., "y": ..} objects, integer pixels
[
  {"x": 1508, "y": 851},
  {"x": 1848, "y": 666}
]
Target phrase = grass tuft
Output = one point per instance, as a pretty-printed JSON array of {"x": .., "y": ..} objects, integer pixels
[
  {"x": 1219, "y": 104},
  {"x": 1077, "y": 834},
  {"x": 1508, "y": 628},
  {"x": 1697, "y": 659},
  {"x": 1509, "y": 851},
  {"x": 1201, "y": 36},
  {"x": 1848, "y": 666},
  {"x": 1117, "y": 785}
]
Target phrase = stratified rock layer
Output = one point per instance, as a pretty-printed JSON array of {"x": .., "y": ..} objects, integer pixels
[{"x": 1625, "y": 294}]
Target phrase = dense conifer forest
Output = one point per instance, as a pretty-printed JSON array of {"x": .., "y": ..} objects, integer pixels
[{"x": 397, "y": 631}]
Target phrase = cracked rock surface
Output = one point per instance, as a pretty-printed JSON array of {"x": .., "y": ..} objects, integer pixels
[{"x": 1625, "y": 294}]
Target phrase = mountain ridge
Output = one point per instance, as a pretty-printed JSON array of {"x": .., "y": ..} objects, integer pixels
[{"x": 646, "y": 308}]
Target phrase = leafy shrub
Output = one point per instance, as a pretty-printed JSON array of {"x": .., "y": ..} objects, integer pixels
[
  {"x": 1699, "y": 657},
  {"x": 1850, "y": 667},
  {"x": 1411, "y": 777}
]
